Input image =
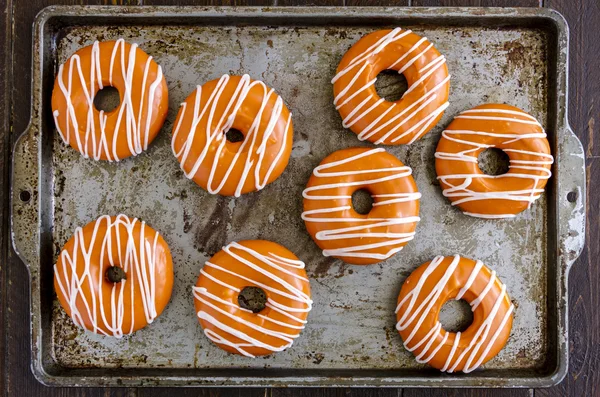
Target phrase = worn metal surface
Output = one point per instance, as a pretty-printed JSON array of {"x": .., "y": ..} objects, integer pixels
[{"x": 512, "y": 56}]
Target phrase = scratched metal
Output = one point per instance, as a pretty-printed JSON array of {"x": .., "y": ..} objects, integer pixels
[{"x": 351, "y": 326}]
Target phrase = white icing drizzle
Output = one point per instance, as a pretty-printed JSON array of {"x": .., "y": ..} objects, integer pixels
[
  {"x": 139, "y": 263},
  {"x": 90, "y": 81},
  {"x": 414, "y": 316},
  {"x": 389, "y": 128},
  {"x": 215, "y": 132},
  {"x": 391, "y": 240},
  {"x": 272, "y": 266},
  {"x": 468, "y": 155}
]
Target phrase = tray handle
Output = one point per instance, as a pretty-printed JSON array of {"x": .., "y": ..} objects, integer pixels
[
  {"x": 24, "y": 196},
  {"x": 572, "y": 202}
]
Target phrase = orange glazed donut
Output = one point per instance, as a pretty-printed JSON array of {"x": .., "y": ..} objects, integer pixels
[
  {"x": 504, "y": 127},
  {"x": 122, "y": 132},
  {"x": 342, "y": 232},
  {"x": 424, "y": 293},
  {"x": 422, "y": 105},
  {"x": 227, "y": 167},
  {"x": 114, "y": 276},
  {"x": 247, "y": 264}
]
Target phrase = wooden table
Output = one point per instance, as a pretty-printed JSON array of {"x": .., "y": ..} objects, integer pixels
[{"x": 583, "y": 378}]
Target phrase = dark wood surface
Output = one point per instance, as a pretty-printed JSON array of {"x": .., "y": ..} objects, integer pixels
[{"x": 583, "y": 378}]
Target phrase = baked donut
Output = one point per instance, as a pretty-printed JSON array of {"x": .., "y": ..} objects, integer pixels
[
  {"x": 227, "y": 165},
  {"x": 269, "y": 326},
  {"x": 342, "y": 232},
  {"x": 513, "y": 131},
  {"x": 122, "y": 132},
  {"x": 373, "y": 118},
  {"x": 114, "y": 276},
  {"x": 424, "y": 293}
]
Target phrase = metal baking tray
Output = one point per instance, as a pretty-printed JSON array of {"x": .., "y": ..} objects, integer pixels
[{"x": 517, "y": 56}]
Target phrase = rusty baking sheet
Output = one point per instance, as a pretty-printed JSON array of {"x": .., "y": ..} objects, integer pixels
[{"x": 517, "y": 56}]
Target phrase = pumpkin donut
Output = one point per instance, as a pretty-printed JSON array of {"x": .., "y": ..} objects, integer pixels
[
  {"x": 342, "y": 232},
  {"x": 227, "y": 164},
  {"x": 122, "y": 132},
  {"x": 114, "y": 276},
  {"x": 424, "y": 293},
  {"x": 263, "y": 327},
  {"x": 373, "y": 118},
  {"x": 513, "y": 131}
]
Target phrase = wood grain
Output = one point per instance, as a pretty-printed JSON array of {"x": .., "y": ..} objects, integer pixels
[{"x": 584, "y": 113}]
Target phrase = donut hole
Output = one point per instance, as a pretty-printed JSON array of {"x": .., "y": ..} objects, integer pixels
[
  {"x": 107, "y": 99},
  {"x": 493, "y": 161},
  {"x": 362, "y": 201},
  {"x": 456, "y": 316},
  {"x": 391, "y": 85},
  {"x": 115, "y": 274},
  {"x": 253, "y": 299},
  {"x": 233, "y": 135}
]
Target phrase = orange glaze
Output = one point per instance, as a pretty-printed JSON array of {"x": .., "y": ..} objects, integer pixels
[
  {"x": 420, "y": 108},
  {"x": 342, "y": 232},
  {"x": 128, "y": 129},
  {"x": 104, "y": 307},
  {"x": 233, "y": 168},
  {"x": 504, "y": 127},
  {"x": 424, "y": 293},
  {"x": 253, "y": 263}
]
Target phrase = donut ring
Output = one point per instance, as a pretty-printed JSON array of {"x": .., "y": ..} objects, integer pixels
[
  {"x": 81, "y": 275},
  {"x": 233, "y": 168},
  {"x": 373, "y": 118},
  {"x": 504, "y": 127},
  {"x": 122, "y": 132},
  {"x": 342, "y": 232},
  {"x": 253, "y": 263},
  {"x": 424, "y": 293}
]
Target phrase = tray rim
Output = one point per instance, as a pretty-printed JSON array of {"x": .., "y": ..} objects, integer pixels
[{"x": 569, "y": 242}]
